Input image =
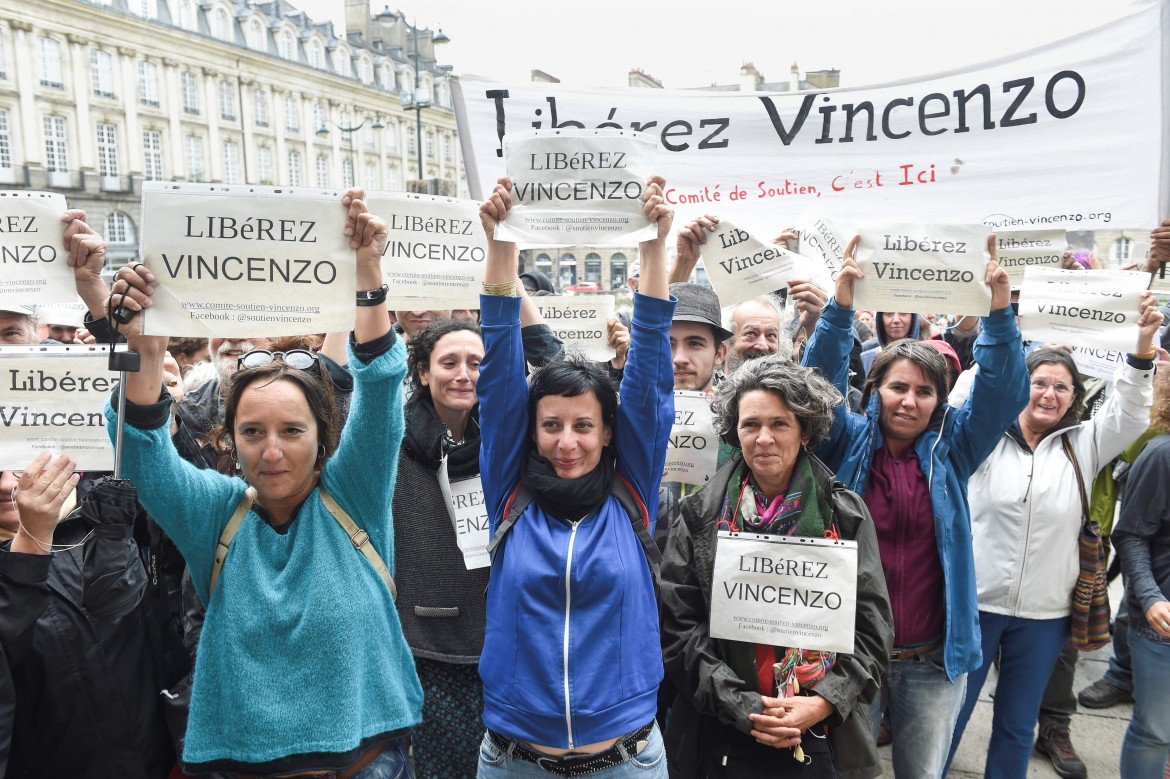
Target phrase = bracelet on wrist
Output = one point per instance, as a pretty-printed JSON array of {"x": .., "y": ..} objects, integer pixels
[
  {"x": 1150, "y": 355},
  {"x": 372, "y": 297},
  {"x": 507, "y": 289}
]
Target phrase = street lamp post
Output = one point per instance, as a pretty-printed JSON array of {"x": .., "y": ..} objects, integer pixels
[
  {"x": 437, "y": 39},
  {"x": 347, "y": 132}
]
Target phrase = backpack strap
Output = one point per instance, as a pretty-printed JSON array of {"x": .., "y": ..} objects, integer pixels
[
  {"x": 358, "y": 537},
  {"x": 513, "y": 507},
  {"x": 229, "y": 532},
  {"x": 360, "y": 540}
]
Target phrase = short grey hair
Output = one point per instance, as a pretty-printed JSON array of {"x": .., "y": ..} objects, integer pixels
[{"x": 804, "y": 390}]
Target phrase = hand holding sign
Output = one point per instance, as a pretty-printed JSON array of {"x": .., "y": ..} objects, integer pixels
[
  {"x": 653, "y": 252},
  {"x": 87, "y": 257},
  {"x": 1149, "y": 321},
  {"x": 689, "y": 246},
  {"x": 1160, "y": 250},
  {"x": 618, "y": 339},
  {"x": 849, "y": 273},
  {"x": 997, "y": 278}
]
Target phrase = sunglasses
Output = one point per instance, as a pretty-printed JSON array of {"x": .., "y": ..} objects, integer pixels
[{"x": 302, "y": 359}]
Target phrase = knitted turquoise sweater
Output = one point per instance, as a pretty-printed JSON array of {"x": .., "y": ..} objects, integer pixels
[{"x": 302, "y": 650}]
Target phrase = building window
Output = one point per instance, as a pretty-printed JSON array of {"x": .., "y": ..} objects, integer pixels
[
  {"x": 147, "y": 9},
  {"x": 1120, "y": 250},
  {"x": 222, "y": 25},
  {"x": 392, "y": 181},
  {"x": 5, "y": 140},
  {"x": 190, "y": 88},
  {"x": 392, "y": 137},
  {"x": 317, "y": 55},
  {"x": 322, "y": 170},
  {"x": 593, "y": 267},
  {"x": 446, "y": 148},
  {"x": 346, "y": 121},
  {"x": 256, "y": 35},
  {"x": 411, "y": 144},
  {"x": 388, "y": 79},
  {"x": 371, "y": 180},
  {"x": 260, "y": 107},
  {"x": 430, "y": 147},
  {"x": 617, "y": 270},
  {"x": 227, "y": 101},
  {"x": 292, "y": 114},
  {"x": 101, "y": 70},
  {"x": 107, "y": 150},
  {"x": 56, "y": 145},
  {"x": 148, "y": 83},
  {"x": 347, "y": 172},
  {"x": 187, "y": 14},
  {"x": 368, "y": 136},
  {"x": 366, "y": 70},
  {"x": 318, "y": 117},
  {"x": 264, "y": 164},
  {"x": 51, "y": 71},
  {"x": 152, "y": 165},
  {"x": 288, "y": 46},
  {"x": 294, "y": 168},
  {"x": 341, "y": 62},
  {"x": 3, "y": 72},
  {"x": 119, "y": 228},
  {"x": 194, "y": 158},
  {"x": 231, "y": 162}
]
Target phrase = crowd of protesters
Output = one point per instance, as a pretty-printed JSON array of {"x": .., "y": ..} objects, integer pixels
[{"x": 276, "y": 588}]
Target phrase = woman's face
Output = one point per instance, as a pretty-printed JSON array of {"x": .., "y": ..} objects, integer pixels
[
  {"x": 453, "y": 370},
  {"x": 276, "y": 441},
  {"x": 908, "y": 400},
  {"x": 9, "y": 518},
  {"x": 1050, "y": 399},
  {"x": 570, "y": 433},
  {"x": 770, "y": 437}
]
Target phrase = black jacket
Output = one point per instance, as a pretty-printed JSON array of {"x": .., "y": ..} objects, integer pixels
[
  {"x": 710, "y": 692},
  {"x": 76, "y": 630}
]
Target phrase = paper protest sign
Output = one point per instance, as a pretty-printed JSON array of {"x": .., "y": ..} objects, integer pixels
[
  {"x": 1088, "y": 308},
  {"x": 692, "y": 452},
  {"x": 741, "y": 266},
  {"x": 923, "y": 269},
  {"x": 1099, "y": 363},
  {"x": 573, "y": 187},
  {"x": 1020, "y": 249},
  {"x": 820, "y": 240},
  {"x": 469, "y": 516},
  {"x": 53, "y": 400},
  {"x": 581, "y": 321},
  {"x": 245, "y": 261},
  {"x": 33, "y": 258},
  {"x": 785, "y": 591},
  {"x": 435, "y": 251}
]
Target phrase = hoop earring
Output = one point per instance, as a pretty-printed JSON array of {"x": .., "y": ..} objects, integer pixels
[
  {"x": 321, "y": 455},
  {"x": 235, "y": 459}
]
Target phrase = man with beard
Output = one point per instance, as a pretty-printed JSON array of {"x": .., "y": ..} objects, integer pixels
[{"x": 755, "y": 327}]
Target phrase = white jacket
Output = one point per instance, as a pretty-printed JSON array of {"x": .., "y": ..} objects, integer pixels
[{"x": 1026, "y": 507}]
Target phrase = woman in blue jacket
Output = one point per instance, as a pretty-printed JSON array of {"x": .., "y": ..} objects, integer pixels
[
  {"x": 571, "y": 661},
  {"x": 910, "y": 457}
]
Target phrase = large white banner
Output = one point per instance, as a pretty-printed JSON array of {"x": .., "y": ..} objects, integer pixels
[
  {"x": 33, "y": 261},
  {"x": 52, "y": 400},
  {"x": 1072, "y": 134},
  {"x": 1088, "y": 308},
  {"x": 246, "y": 262},
  {"x": 573, "y": 187},
  {"x": 435, "y": 251}
]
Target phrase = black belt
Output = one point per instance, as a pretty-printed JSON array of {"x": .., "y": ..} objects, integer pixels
[{"x": 576, "y": 765}]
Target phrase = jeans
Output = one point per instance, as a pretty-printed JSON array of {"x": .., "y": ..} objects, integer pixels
[
  {"x": 1060, "y": 702},
  {"x": 1147, "y": 742},
  {"x": 923, "y": 706},
  {"x": 1120, "y": 670},
  {"x": 650, "y": 763},
  {"x": 393, "y": 763}
]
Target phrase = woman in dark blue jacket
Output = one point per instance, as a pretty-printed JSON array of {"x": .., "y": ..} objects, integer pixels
[
  {"x": 571, "y": 661},
  {"x": 910, "y": 457}
]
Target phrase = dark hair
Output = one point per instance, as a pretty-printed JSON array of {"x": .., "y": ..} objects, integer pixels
[
  {"x": 186, "y": 346},
  {"x": 422, "y": 346},
  {"x": 570, "y": 377},
  {"x": 1063, "y": 359},
  {"x": 808, "y": 395},
  {"x": 318, "y": 394},
  {"x": 928, "y": 359}
]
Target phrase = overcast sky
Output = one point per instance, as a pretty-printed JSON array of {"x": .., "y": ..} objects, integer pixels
[{"x": 685, "y": 43}]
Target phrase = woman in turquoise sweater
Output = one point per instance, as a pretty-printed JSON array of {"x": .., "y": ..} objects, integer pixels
[{"x": 302, "y": 666}]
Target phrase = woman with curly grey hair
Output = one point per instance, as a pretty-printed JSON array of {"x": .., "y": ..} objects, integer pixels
[{"x": 738, "y": 702}]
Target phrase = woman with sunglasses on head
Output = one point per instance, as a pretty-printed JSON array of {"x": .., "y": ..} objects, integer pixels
[
  {"x": 571, "y": 661},
  {"x": 1026, "y": 517},
  {"x": 302, "y": 668}
]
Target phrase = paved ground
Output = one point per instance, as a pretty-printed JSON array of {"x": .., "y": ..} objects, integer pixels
[{"x": 1096, "y": 733}]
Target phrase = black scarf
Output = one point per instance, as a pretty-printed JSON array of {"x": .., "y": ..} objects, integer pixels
[
  {"x": 568, "y": 499},
  {"x": 425, "y": 434}
]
